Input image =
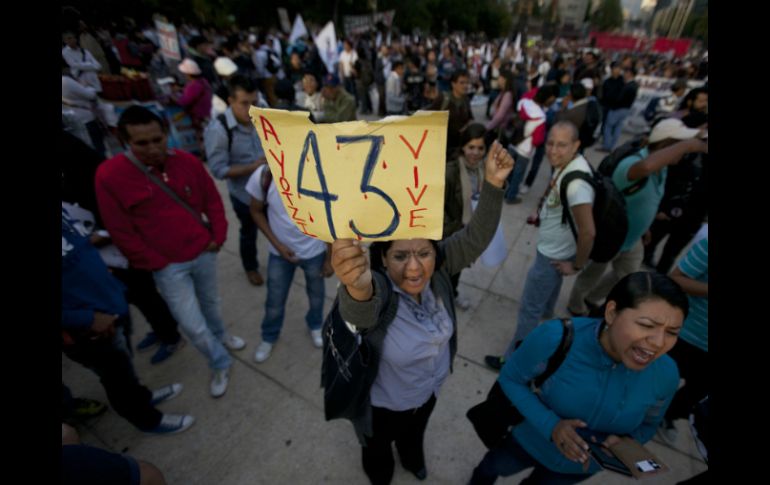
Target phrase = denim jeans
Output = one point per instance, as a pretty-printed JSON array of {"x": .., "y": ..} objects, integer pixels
[
  {"x": 541, "y": 290},
  {"x": 280, "y": 273},
  {"x": 511, "y": 458},
  {"x": 248, "y": 239},
  {"x": 516, "y": 175},
  {"x": 613, "y": 127},
  {"x": 190, "y": 289}
]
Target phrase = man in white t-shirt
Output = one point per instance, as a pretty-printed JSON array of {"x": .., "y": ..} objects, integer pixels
[
  {"x": 558, "y": 253},
  {"x": 289, "y": 248}
]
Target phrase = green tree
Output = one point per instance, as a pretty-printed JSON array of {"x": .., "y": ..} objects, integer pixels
[{"x": 609, "y": 16}]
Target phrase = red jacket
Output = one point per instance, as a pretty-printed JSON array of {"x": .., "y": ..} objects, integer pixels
[{"x": 146, "y": 224}]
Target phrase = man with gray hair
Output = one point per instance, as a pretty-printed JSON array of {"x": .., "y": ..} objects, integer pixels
[{"x": 559, "y": 253}]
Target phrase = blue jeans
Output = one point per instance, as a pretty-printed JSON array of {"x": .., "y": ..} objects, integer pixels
[
  {"x": 248, "y": 240},
  {"x": 510, "y": 459},
  {"x": 541, "y": 290},
  {"x": 280, "y": 273},
  {"x": 613, "y": 127},
  {"x": 516, "y": 175},
  {"x": 190, "y": 289}
]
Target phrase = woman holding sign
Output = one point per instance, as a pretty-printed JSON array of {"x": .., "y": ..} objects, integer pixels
[
  {"x": 420, "y": 342},
  {"x": 616, "y": 380}
]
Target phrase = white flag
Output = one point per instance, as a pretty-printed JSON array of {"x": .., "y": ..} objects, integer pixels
[
  {"x": 298, "y": 30},
  {"x": 326, "y": 42},
  {"x": 517, "y": 49},
  {"x": 504, "y": 47}
]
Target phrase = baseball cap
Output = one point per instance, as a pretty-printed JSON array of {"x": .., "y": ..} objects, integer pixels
[
  {"x": 331, "y": 80},
  {"x": 672, "y": 128}
]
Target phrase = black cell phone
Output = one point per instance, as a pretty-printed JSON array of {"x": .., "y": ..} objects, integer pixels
[{"x": 607, "y": 460}]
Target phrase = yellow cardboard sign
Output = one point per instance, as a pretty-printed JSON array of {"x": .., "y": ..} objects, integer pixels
[{"x": 372, "y": 181}]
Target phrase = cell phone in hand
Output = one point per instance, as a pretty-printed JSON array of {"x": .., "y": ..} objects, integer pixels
[{"x": 607, "y": 459}]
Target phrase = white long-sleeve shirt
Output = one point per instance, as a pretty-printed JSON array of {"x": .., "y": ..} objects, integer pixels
[{"x": 83, "y": 65}]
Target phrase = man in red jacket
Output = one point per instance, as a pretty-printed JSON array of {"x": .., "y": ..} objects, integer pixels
[{"x": 156, "y": 233}]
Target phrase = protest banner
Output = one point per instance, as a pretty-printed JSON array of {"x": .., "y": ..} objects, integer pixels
[
  {"x": 650, "y": 87},
  {"x": 169, "y": 44},
  {"x": 372, "y": 181}
]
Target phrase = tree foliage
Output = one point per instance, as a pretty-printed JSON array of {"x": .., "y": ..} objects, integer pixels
[{"x": 609, "y": 16}]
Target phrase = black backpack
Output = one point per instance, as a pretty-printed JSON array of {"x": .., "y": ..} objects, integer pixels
[
  {"x": 609, "y": 213},
  {"x": 610, "y": 163},
  {"x": 493, "y": 418}
]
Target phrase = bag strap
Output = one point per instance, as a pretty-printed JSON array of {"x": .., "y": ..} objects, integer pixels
[
  {"x": 222, "y": 119},
  {"x": 167, "y": 190},
  {"x": 555, "y": 361},
  {"x": 566, "y": 216}
]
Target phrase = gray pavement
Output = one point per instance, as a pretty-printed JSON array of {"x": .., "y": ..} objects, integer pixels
[{"x": 269, "y": 426}]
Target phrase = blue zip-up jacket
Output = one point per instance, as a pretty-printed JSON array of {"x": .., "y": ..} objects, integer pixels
[
  {"x": 87, "y": 285},
  {"x": 589, "y": 385}
]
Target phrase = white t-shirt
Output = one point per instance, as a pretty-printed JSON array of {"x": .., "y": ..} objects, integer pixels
[
  {"x": 347, "y": 59},
  {"x": 304, "y": 247},
  {"x": 555, "y": 240}
]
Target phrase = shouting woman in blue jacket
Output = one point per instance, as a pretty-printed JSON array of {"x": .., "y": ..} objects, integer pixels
[{"x": 616, "y": 380}]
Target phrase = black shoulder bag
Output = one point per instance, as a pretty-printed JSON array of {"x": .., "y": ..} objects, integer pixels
[
  {"x": 494, "y": 418},
  {"x": 351, "y": 360}
]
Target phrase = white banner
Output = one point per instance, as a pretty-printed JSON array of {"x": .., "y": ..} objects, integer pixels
[
  {"x": 358, "y": 24},
  {"x": 169, "y": 44},
  {"x": 326, "y": 42},
  {"x": 298, "y": 30}
]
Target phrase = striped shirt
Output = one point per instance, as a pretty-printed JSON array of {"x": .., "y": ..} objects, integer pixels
[{"x": 695, "y": 265}]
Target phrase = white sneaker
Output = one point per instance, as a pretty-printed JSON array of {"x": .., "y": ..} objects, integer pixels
[
  {"x": 219, "y": 382},
  {"x": 234, "y": 343},
  {"x": 317, "y": 339},
  {"x": 263, "y": 351},
  {"x": 524, "y": 189},
  {"x": 166, "y": 393}
]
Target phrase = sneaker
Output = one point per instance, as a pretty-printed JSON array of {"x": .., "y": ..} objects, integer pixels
[
  {"x": 173, "y": 423},
  {"x": 165, "y": 351},
  {"x": 462, "y": 303},
  {"x": 316, "y": 336},
  {"x": 524, "y": 190},
  {"x": 149, "y": 341},
  {"x": 87, "y": 408},
  {"x": 255, "y": 278},
  {"x": 234, "y": 343},
  {"x": 263, "y": 351},
  {"x": 166, "y": 393},
  {"x": 219, "y": 382},
  {"x": 495, "y": 361}
]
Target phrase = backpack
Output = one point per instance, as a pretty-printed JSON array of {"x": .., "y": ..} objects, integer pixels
[
  {"x": 610, "y": 163},
  {"x": 651, "y": 109},
  {"x": 493, "y": 419},
  {"x": 609, "y": 213},
  {"x": 351, "y": 360}
]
